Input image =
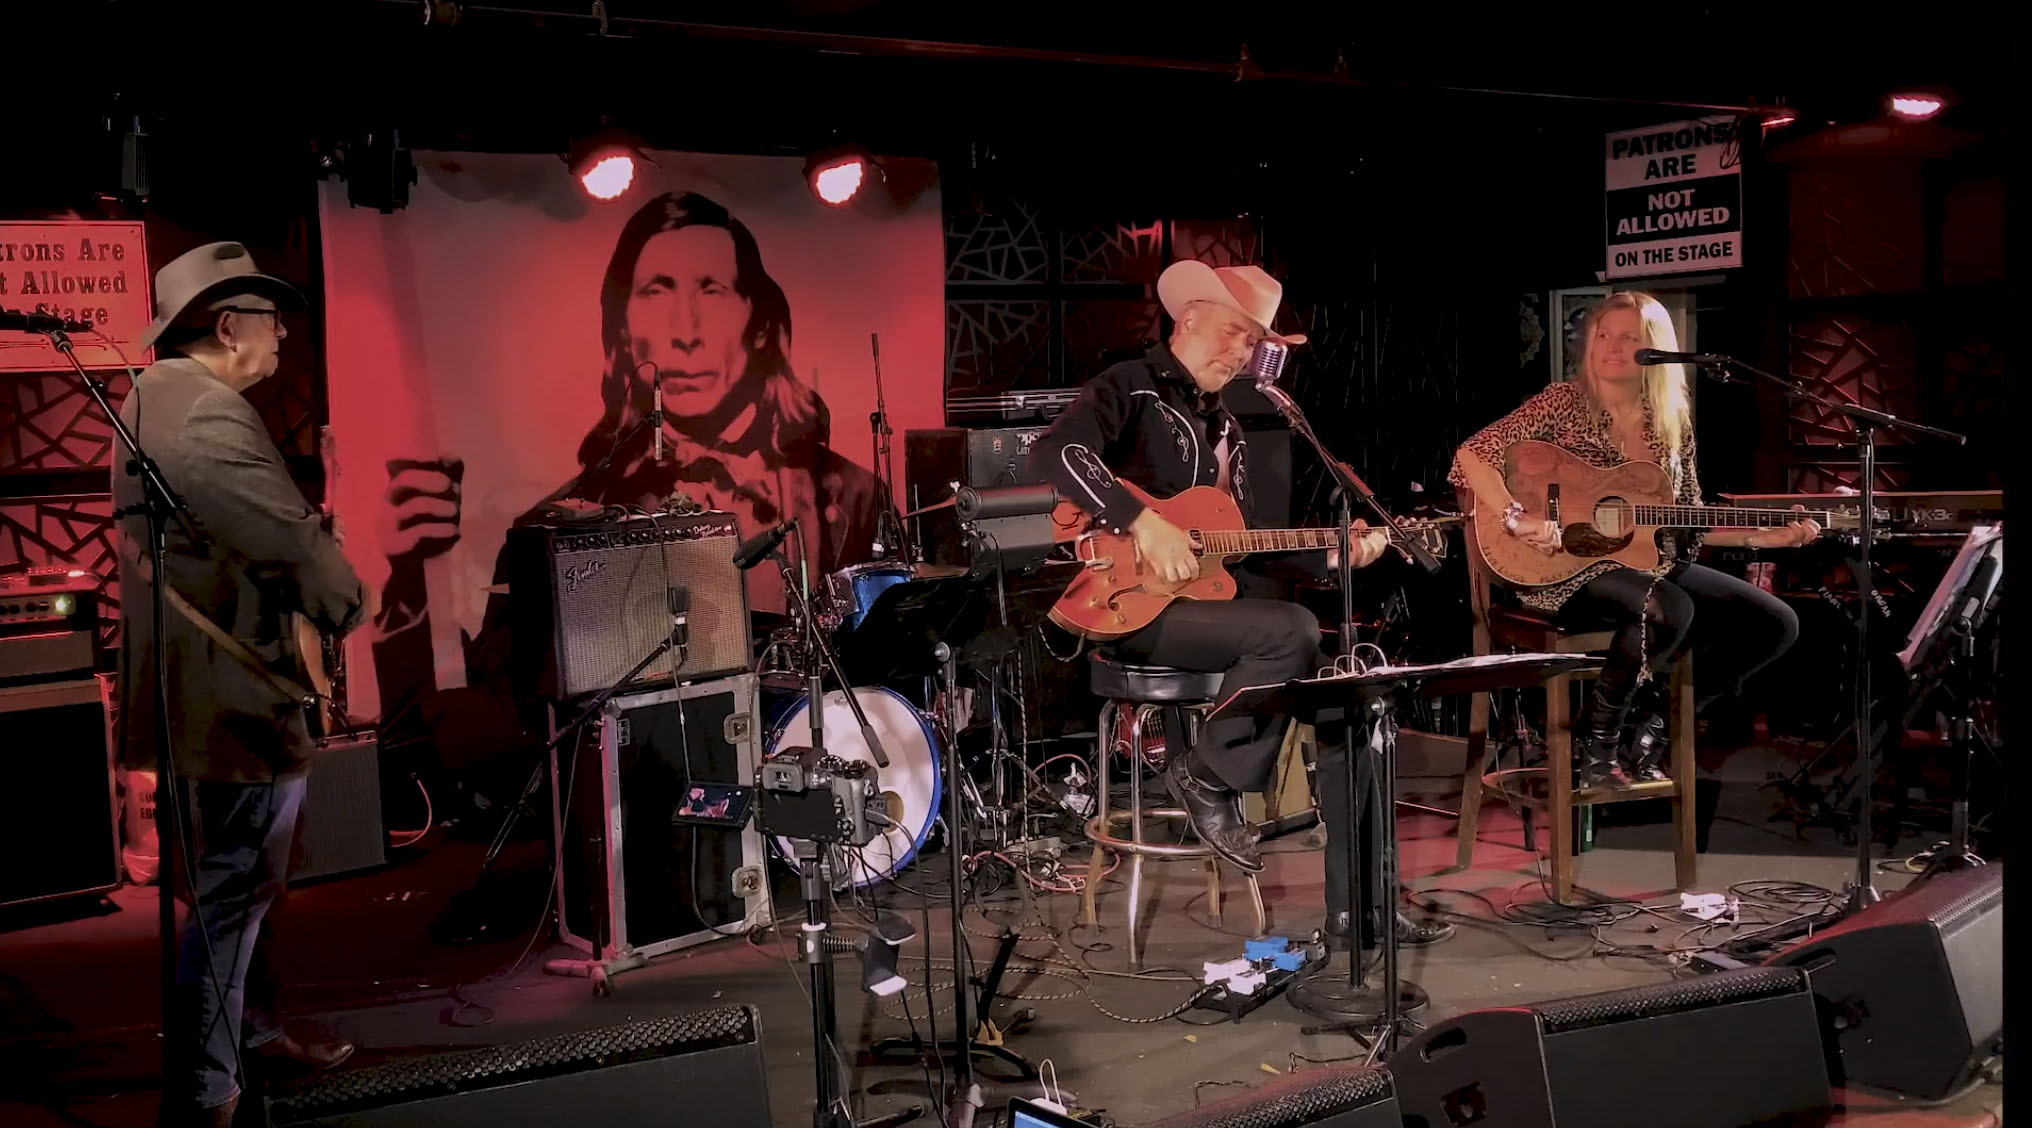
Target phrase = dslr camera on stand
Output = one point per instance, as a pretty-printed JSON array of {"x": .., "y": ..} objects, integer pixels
[{"x": 821, "y": 799}]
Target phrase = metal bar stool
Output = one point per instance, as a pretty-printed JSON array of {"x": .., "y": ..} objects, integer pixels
[{"x": 1144, "y": 692}]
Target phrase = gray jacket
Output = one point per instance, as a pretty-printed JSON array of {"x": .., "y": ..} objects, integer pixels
[{"x": 268, "y": 557}]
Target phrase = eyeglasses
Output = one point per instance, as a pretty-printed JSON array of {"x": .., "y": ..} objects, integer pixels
[{"x": 274, "y": 313}]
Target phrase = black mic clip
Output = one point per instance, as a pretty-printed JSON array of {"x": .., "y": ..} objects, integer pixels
[{"x": 27, "y": 321}]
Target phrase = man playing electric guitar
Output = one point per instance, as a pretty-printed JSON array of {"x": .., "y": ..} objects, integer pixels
[{"x": 1159, "y": 422}]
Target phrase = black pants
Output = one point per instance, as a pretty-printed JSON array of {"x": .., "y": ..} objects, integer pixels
[
  {"x": 1263, "y": 642},
  {"x": 1253, "y": 642},
  {"x": 1735, "y": 628}
]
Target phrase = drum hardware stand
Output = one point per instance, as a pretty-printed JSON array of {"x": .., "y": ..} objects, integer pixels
[{"x": 1862, "y": 891}]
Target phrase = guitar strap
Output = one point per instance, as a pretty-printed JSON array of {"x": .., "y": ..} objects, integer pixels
[{"x": 233, "y": 646}]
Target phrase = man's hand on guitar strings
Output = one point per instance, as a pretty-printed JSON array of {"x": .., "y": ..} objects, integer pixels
[{"x": 1165, "y": 546}]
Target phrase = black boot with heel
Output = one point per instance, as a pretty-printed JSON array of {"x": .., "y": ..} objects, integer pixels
[
  {"x": 1646, "y": 753},
  {"x": 1599, "y": 733}
]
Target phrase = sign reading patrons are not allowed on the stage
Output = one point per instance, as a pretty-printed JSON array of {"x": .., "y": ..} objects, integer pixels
[
  {"x": 85, "y": 270},
  {"x": 1675, "y": 198}
]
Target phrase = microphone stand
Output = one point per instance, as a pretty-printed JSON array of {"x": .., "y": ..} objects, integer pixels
[
  {"x": 889, "y": 527},
  {"x": 1862, "y": 892},
  {"x": 160, "y": 504},
  {"x": 1382, "y": 772}
]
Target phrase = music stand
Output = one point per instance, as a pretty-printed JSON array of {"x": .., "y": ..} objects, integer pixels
[
  {"x": 1376, "y": 691},
  {"x": 1941, "y": 651}
]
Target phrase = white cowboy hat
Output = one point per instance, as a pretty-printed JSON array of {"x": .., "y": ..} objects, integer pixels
[
  {"x": 1248, "y": 290},
  {"x": 215, "y": 274}
]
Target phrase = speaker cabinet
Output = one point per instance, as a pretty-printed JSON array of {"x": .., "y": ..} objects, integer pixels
[
  {"x": 590, "y": 601},
  {"x": 341, "y": 830},
  {"x": 59, "y": 821},
  {"x": 698, "y": 1068},
  {"x": 1738, "y": 1048},
  {"x": 1911, "y": 990},
  {"x": 1339, "y": 1096}
]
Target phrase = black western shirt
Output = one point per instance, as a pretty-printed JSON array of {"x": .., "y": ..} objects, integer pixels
[{"x": 1146, "y": 421}]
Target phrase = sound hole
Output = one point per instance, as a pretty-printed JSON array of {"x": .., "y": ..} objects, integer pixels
[{"x": 1612, "y": 516}]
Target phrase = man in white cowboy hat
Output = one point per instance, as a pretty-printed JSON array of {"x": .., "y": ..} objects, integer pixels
[
  {"x": 1159, "y": 422},
  {"x": 238, "y": 739}
]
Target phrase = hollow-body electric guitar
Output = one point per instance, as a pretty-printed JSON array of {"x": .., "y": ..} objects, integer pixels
[
  {"x": 1117, "y": 593},
  {"x": 1609, "y": 513}
]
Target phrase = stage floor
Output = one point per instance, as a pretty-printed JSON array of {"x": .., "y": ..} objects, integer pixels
[{"x": 78, "y": 1006}]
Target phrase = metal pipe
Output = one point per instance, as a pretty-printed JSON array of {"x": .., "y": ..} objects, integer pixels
[{"x": 1242, "y": 69}]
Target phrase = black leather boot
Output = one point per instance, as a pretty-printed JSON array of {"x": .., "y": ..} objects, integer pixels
[
  {"x": 1215, "y": 813},
  {"x": 1646, "y": 753},
  {"x": 1599, "y": 733}
]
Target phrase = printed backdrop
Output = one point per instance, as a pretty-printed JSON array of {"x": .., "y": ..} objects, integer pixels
[{"x": 469, "y": 326}]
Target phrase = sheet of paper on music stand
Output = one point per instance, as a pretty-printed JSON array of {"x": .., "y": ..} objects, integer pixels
[
  {"x": 1981, "y": 541},
  {"x": 1462, "y": 675}
]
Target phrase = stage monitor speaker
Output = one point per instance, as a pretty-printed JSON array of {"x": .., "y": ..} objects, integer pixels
[
  {"x": 1911, "y": 990},
  {"x": 340, "y": 830},
  {"x": 590, "y": 601},
  {"x": 699, "y": 1068},
  {"x": 1742, "y": 1047},
  {"x": 1338, "y": 1096},
  {"x": 59, "y": 820}
]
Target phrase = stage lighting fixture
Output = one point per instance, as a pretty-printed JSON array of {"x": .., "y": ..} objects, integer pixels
[
  {"x": 132, "y": 140},
  {"x": 1779, "y": 120},
  {"x": 1914, "y": 105},
  {"x": 604, "y": 163},
  {"x": 837, "y": 175},
  {"x": 379, "y": 171}
]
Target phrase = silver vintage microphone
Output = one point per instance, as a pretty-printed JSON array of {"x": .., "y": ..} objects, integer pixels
[{"x": 1267, "y": 362}]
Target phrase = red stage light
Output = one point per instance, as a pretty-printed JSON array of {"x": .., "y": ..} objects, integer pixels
[
  {"x": 610, "y": 175},
  {"x": 1780, "y": 120},
  {"x": 1915, "y": 106},
  {"x": 836, "y": 182}
]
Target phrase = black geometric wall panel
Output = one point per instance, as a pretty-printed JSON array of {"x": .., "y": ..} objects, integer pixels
[
  {"x": 995, "y": 346},
  {"x": 1001, "y": 245},
  {"x": 1124, "y": 253}
]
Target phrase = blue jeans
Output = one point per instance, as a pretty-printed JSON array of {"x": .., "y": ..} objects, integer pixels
[{"x": 244, "y": 835}]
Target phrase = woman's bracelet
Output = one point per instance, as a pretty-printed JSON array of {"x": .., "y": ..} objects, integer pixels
[{"x": 1511, "y": 513}]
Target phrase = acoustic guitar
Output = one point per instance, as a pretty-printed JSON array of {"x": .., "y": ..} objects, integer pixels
[
  {"x": 1117, "y": 593},
  {"x": 324, "y": 656},
  {"x": 1604, "y": 513}
]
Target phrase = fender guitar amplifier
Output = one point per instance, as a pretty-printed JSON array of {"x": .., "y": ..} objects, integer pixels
[{"x": 590, "y": 601}]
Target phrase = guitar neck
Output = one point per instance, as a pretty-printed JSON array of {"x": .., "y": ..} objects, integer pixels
[
  {"x": 1241, "y": 542},
  {"x": 1722, "y": 517}
]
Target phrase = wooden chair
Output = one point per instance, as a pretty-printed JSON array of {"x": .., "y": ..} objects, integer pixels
[{"x": 1500, "y": 627}]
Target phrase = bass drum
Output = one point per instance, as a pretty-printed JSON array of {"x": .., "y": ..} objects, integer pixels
[{"x": 911, "y": 785}]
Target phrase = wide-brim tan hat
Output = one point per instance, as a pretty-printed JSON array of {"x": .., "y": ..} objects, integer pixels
[
  {"x": 208, "y": 276},
  {"x": 1247, "y": 290}
]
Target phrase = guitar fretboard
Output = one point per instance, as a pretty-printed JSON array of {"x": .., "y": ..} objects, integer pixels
[
  {"x": 1237, "y": 542},
  {"x": 1720, "y": 517}
]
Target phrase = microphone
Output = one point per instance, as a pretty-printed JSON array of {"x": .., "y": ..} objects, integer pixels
[
  {"x": 1267, "y": 362},
  {"x": 680, "y": 616},
  {"x": 757, "y": 548},
  {"x": 25, "y": 322},
  {"x": 1659, "y": 356},
  {"x": 656, "y": 418}
]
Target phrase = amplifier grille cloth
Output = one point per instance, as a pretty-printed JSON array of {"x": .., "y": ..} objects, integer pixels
[{"x": 613, "y": 608}]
